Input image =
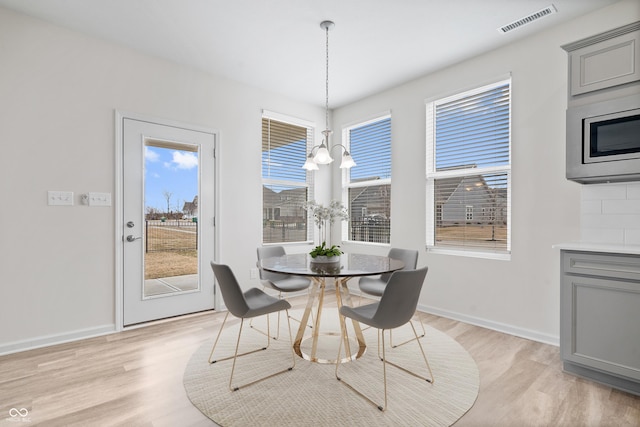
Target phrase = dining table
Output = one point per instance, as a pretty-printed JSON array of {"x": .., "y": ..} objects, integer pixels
[{"x": 340, "y": 271}]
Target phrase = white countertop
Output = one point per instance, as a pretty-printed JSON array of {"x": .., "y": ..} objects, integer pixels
[{"x": 599, "y": 247}]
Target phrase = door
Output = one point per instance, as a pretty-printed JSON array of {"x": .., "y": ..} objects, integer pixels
[{"x": 168, "y": 220}]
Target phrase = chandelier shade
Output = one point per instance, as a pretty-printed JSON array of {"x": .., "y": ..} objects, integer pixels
[
  {"x": 310, "y": 165},
  {"x": 322, "y": 157},
  {"x": 347, "y": 161}
]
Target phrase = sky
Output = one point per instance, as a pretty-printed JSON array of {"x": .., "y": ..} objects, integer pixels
[{"x": 170, "y": 170}]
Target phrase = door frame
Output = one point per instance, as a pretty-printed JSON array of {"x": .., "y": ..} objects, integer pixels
[{"x": 119, "y": 202}]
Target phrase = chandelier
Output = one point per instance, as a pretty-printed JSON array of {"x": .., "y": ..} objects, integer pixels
[{"x": 322, "y": 155}]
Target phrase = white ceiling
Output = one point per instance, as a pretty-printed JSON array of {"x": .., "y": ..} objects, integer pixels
[{"x": 278, "y": 45}]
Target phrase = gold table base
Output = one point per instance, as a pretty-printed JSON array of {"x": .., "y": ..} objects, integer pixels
[{"x": 317, "y": 294}]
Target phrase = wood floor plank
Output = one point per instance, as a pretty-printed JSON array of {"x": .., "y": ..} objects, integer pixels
[{"x": 134, "y": 378}]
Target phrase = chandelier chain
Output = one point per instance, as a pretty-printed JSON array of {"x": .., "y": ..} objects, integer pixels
[{"x": 326, "y": 104}]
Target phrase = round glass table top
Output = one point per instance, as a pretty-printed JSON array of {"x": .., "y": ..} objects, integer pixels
[{"x": 349, "y": 265}]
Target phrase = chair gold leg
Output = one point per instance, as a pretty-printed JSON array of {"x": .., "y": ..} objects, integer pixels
[
  {"x": 430, "y": 379},
  {"x": 277, "y": 336},
  {"x": 236, "y": 355},
  {"x": 424, "y": 332},
  {"x": 293, "y": 354},
  {"x": 211, "y": 361},
  {"x": 264, "y": 288},
  {"x": 215, "y": 343},
  {"x": 384, "y": 373},
  {"x": 424, "y": 356},
  {"x": 383, "y": 357}
]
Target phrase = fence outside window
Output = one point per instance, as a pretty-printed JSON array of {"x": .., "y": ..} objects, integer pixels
[
  {"x": 283, "y": 230},
  {"x": 362, "y": 230},
  {"x": 373, "y": 230}
]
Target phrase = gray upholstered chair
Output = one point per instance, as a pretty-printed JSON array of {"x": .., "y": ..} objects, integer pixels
[
  {"x": 374, "y": 285},
  {"x": 395, "y": 308},
  {"x": 245, "y": 305},
  {"x": 279, "y": 282}
]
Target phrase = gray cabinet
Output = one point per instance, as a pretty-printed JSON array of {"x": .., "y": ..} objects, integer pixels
[
  {"x": 603, "y": 91},
  {"x": 605, "y": 60},
  {"x": 600, "y": 317}
]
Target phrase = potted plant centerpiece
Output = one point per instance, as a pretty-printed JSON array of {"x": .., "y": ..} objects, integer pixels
[
  {"x": 323, "y": 218},
  {"x": 325, "y": 254}
]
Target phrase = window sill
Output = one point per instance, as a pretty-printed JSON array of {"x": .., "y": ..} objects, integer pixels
[
  {"x": 501, "y": 256},
  {"x": 356, "y": 242}
]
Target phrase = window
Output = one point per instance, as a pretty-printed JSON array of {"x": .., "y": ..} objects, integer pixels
[
  {"x": 285, "y": 185},
  {"x": 367, "y": 186},
  {"x": 469, "y": 212},
  {"x": 469, "y": 170}
]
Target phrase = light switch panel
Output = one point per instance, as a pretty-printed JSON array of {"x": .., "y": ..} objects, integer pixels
[
  {"x": 60, "y": 198},
  {"x": 99, "y": 199}
]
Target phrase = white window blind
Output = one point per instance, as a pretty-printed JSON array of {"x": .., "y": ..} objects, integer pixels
[
  {"x": 469, "y": 170},
  {"x": 367, "y": 189},
  {"x": 285, "y": 185}
]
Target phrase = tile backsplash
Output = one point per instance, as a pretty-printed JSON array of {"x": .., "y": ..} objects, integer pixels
[{"x": 610, "y": 213}]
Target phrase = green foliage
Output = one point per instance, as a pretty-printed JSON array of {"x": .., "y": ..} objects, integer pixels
[{"x": 323, "y": 250}]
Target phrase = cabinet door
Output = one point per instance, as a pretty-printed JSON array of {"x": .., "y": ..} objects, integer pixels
[
  {"x": 599, "y": 324},
  {"x": 608, "y": 63}
]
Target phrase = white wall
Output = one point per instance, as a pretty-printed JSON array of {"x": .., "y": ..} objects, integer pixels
[
  {"x": 58, "y": 93},
  {"x": 520, "y": 296}
]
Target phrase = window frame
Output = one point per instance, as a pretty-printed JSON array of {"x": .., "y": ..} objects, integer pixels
[
  {"x": 346, "y": 177},
  {"x": 432, "y": 175},
  {"x": 309, "y": 176}
]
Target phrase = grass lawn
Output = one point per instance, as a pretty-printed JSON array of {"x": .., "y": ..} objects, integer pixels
[
  {"x": 170, "y": 263},
  {"x": 171, "y": 249},
  {"x": 473, "y": 235}
]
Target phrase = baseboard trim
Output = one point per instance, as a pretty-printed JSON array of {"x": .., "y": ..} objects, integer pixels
[
  {"x": 496, "y": 326},
  {"x": 54, "y": 339}
]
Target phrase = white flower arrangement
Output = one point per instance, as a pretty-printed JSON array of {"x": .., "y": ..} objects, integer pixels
[{"x": 325, "y": 216}]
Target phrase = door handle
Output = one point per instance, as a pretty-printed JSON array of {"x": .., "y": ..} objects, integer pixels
[{"x": 130, "y": 238}]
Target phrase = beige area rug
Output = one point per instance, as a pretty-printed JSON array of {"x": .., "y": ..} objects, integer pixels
[{"x": 310, "y": 394}]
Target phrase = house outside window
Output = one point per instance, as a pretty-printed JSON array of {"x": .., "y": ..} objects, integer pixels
[
  {"x": 468, "y": 141},
  {"x": 367, "y": 186},
  {"x": 285, "y": 185}
]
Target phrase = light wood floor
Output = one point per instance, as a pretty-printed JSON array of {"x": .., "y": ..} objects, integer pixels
[{"x": 134, "y": 378}]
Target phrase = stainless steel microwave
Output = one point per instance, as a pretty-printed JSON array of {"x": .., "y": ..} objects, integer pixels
[{"x": 603, "y": 141}]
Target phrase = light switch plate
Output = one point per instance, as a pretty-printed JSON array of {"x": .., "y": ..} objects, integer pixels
[
  {"x": 60, "y": 198},
  {"x": 99, "y": 199}
]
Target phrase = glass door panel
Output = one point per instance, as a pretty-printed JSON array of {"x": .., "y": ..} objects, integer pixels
[{"x": 171, "y": 218}]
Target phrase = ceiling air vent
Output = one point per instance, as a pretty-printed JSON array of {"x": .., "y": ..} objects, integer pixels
[{"x": 528, "y": 19}]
